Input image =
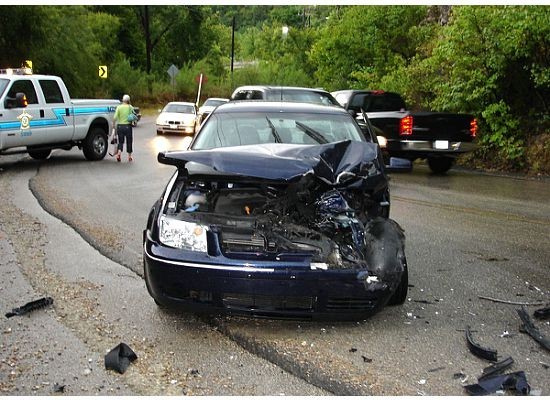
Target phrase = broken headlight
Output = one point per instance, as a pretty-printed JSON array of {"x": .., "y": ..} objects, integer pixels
[{"x": 182, "y": 235}]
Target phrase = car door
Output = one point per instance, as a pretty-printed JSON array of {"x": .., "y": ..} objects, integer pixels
[
  {"x": 57, "y": 112},
  {"x": 19, "y": 124}
]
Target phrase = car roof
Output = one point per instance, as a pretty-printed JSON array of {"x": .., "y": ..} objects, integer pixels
[
  {"x": 277, "y": 106},
  {"x": 274, "y": 87},
  {"x": 181, "y": 103},
  {"x": 217, "y": 98}
]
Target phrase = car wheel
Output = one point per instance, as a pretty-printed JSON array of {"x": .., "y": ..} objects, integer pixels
[
  {"x": 402, "y": 290},
  {"x": 39, "y": 154},
  {"x": 95, "y": 144},
  {"x": 440, "y": 165}
]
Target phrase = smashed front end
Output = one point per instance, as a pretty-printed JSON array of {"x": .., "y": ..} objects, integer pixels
[{"x": 274, "y": 230}]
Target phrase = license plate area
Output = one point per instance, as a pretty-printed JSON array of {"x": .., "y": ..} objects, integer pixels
[{"x": 441, "y": 144}]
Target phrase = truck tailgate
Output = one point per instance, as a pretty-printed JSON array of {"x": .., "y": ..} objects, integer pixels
[{"x": 441, "y": 126}]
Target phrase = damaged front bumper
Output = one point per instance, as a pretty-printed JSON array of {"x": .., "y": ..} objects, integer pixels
[{"x": 297, "y": 290}]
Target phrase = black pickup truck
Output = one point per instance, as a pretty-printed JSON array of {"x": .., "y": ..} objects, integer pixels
[{"x": 437, "y": 137}]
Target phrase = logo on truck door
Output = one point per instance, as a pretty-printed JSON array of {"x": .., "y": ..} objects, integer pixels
[{"x": 25, "y": 119}]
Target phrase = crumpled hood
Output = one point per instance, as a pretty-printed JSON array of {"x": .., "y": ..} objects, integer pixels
[{"x": 331, "y": 162}]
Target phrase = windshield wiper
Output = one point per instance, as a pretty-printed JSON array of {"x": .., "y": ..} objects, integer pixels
[
  {"x": 274, "y": 131},
  {"x": 312, "y": 133}
]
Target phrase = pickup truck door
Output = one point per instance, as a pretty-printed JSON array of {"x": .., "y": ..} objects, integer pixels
[
  {"x": 58, "y": 111},
  {"x": 20, "y": 126}
]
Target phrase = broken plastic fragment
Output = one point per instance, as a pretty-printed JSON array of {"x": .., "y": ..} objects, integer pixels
[
  {"x": 31, "y": 306},
  {"x": 542, "y": 313},
  {"x": 119, "y": 358},
  {"x": 57, "y": 388},
  {"x": 496, "y": 368},
  {"x": 514, "y": 381},
  {"x": 482, "y": 352},
  {"x": 531, "y": 329}
]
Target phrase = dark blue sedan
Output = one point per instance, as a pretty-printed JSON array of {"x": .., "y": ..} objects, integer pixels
[{"x": 277, "y": 210}]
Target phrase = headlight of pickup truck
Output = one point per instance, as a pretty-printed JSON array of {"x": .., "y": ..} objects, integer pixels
[{"x": 182, "y": 235}]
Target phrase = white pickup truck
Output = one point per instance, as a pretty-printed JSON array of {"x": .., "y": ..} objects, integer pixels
[{"x": 38, "y": 115}]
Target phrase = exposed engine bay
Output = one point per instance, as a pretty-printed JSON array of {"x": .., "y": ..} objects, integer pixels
[{"x": 329, "y": 211}]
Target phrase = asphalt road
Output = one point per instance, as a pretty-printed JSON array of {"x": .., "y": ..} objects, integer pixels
[{"x": 468, "y": 235}]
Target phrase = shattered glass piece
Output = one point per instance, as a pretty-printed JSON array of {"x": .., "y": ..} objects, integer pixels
[
  {"x": 30, "y": 306},
  {"x": 531, "y": 329},
  {"x": 57, "y": 388},
  {"x": 514, "y": 381},
  {"x": 119, "y": 358},
  {"x": 482, "y": 352}
]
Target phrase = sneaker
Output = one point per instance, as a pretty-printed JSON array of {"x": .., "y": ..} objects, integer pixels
[
  {"x": 118, "y": 157},
  {"x": 130, "y": 159}
]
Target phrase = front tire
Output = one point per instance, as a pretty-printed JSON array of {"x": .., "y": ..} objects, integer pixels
[
  {"x": 39, "y": 154},
  {"x": 95, "y": 145},
  {"x": 440, "y": 165},
  {"x": 400, "y": 294}
]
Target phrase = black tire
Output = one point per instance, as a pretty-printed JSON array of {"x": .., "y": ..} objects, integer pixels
[
  {"x": 440, "y": 165},
  {"x": 400, "y": 295},
  {"x": 39, "y": 154},
  {"x": 95, "y": 145}
]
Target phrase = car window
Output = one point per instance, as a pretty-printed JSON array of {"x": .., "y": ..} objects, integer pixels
[
  {"x": 179, "y": 108},
  {"x": 248, "y": 95},
  {"x": 51, "y": 90},
  {"x": 385, "y": 102},
  {"x": 24, "y": 86},
  {"x": 236, "y": 129}
]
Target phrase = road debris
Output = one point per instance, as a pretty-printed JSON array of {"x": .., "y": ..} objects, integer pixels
[
  {"x": 496, "y": 368},
  {"x": 542, "y": 313},
  {"x": 529, "y": 327},
  {"x": 57, "y": 388},
  {"x": 544, "y": 365},
  {"x": 482, "y": 352},
  {"x": 30, "y": 306},
  {"x": 514, "y": 381},
  {"x": 366, "y": 359},
  {"x": 436, "y": 369},
  {"x": 516, "y": 303},
  {"x": 119, "y": 358},
  {"x": 352, "y": 350}
]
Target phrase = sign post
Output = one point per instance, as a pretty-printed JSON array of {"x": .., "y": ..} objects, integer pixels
[
  {"x": 200, "y": 79},
  {"x": 173, "y": 72},
  {"x": 103, "y": 71}
]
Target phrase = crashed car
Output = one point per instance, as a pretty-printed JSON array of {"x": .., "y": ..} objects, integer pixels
[{"x": 277, "y": 210}]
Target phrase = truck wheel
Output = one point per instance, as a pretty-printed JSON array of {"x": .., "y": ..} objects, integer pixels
[
  {"x": 402, "y": 290},
  {"x": 95, "y": 144},
  {"x": 440, "y": 165},
  {"x": 39, "y": 154}
]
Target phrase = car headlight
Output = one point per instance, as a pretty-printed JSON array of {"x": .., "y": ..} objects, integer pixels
[{"x": 182, "y": 235}]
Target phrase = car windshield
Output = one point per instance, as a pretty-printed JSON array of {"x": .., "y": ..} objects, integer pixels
[
  {"x": 179, "y": 108},
  {"x": 3, "y": 84},
  {"x": 235, "y": 129},
  {"x": 213, "y": 103}
]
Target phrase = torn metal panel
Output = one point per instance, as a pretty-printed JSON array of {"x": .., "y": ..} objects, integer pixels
[
  {"x": 119, "y": 358},
  {"x": 335, "y": 163},
  {"x": 496, "y": 368},
  {"x": 516, "y": 381},
  {"x": 529, "y": 327},
  {"x": 482, "y": 352},
  {"x": 30, "y": 306}
]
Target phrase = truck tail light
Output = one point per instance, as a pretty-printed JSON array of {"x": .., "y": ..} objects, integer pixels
[
  {"x": 406, "y": 126},
  {"x": 473, "y": 127}
]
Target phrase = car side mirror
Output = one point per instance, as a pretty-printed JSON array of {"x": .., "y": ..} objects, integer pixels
[{"x": 20, "y": 101}]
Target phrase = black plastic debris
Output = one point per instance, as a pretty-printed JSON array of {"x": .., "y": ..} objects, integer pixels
[
  {"x": 194, "y": 372},
  {"x": 436, "y": 369},
  {"x": 119, "y": 358},
  {"x": 366, "y": 359},
  {"x": 30, "y": 306},
  {"x": 529, "y": 327},
  {"x": 459, "y": 375},
  {"x": 57, "y": 388},
  {"x": 496, "y": 368},
  {"x": 352, "y": 350},
  {"x": 482, "y": 352},
  {"x": 542, "y": 313},
  {"x": 514, "y": 381}
]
